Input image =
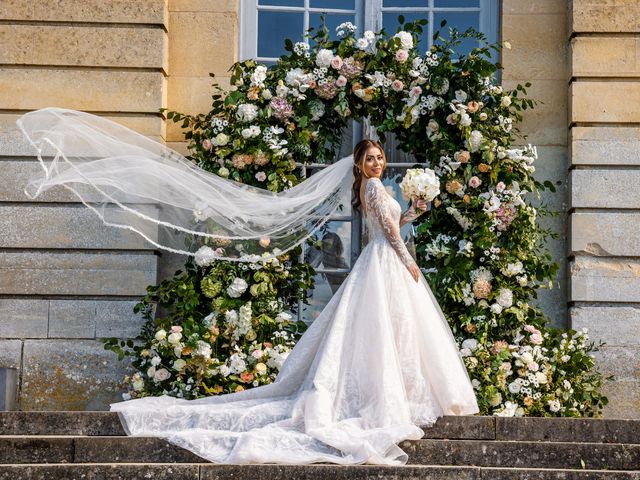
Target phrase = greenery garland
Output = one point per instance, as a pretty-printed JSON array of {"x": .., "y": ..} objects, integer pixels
[{"x": 230, "y": 327}]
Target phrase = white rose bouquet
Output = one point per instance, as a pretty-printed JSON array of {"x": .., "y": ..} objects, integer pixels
[{"x": 420, "y": 183}]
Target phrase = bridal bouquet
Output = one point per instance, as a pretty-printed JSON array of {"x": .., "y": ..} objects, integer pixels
[{"x": 420, "y": 183}]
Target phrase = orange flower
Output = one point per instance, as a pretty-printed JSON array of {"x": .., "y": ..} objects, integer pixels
[
  {"x": 253, "y": 93},
  {"x": 246, "y": 377},
  {"x": 470, "y": 327},
  {"x": 473, "y": 106},
  {"x": 239, "y": 388},
  {"x": 483, "y": 167},
  {"x": 453, "y": 186},
  {"x": 466, "y": 198}
]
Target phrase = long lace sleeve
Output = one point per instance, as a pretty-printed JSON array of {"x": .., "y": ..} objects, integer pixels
[{"x": 378, "y": 206}]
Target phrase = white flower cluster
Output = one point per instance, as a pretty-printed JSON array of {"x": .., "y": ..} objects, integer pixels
[
  {"x": 344, "y": 29},
  {"x": 420, "y": 183},
  {"x": 247, "y": 112},
  {"x": 367, "y": 42},
  {"x": 271, "y": 136},
  {"x": 301, "y": 49},
  {"x": 258, "y": 76},
  {"x": 463, "y": 221},
  {"x": 218, "y": 125},
  {"x": 439, "y": 247}
]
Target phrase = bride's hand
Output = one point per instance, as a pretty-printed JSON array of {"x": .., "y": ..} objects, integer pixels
[
  {"x": 419, "y": 205},
  {"x": 414, "y": 270}
]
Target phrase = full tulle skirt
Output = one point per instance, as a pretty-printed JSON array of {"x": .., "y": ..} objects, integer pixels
[{"x": 377, "y": 363}]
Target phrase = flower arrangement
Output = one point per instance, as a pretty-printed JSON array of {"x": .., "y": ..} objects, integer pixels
[{"x": 480, "y": 244}]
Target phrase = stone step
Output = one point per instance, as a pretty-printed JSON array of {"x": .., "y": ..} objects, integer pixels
[
  {"x": 482, "y": 453},
  {"x": 298, "y": 472},
  {"x": 469, "y": 428}
]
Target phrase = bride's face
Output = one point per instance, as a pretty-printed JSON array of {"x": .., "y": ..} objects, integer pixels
[{"x": 374, "y": 163}]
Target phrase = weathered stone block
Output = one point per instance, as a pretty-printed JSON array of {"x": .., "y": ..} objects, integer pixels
[
  {"x": 604, "y": 280},
  {"x": 605, "y": 234},
  {"x": 114, "y": 11},
  {"x": 605, "y": 145},
  {"x": 60, "y": 423},
  {"x": 624, "y": 399},
  {"x": 189, "y": 95},
  {"x": 189, "y": 58},
  {"x": 49, "y": 226},
  {"x": 93, "y": 90},
  {"x": 15, "y": 450},
  {"x": 102, "y": 472},
  {"x": 604, "y": 16},
  {"x": 14, "y": 144},
  {"x": 623, "y": 362},
  {"x": 103, "y": 46},
  {"x": 600, "y": 188},
  {"x": 69, "y": 375},
  {"x": 119, "y": 449},
  {"x": 605, "y": 56},
  {"x": 612, "y": 324},
  {"x": 76, "y": 273},
  {"x": 546, "y": 57},
  {"x": 219, "y": 6},
  {"x": 23, "y": 318},
  {"x": 93, "y": 319},
  {"x": 547, "y": 123},
  {"x": 11, "y": 353},
  {"x": 604, "y": 101},
  {"x": 532, "y": 8}
]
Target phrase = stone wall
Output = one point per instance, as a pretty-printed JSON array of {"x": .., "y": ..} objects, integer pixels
[
  {"x": 537, "y": 32},
  {"x": 604, "y": 240},
  {"x": 67, "y": 280}
]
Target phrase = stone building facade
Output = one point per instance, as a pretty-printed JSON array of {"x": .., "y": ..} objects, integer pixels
[{"x": 66, "y": 280}]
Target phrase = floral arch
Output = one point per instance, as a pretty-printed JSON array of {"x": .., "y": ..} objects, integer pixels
[{"x": 229, "y": 327}]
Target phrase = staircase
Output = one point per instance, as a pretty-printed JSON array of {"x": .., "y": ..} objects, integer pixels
[{"x": 92, "y": 446}]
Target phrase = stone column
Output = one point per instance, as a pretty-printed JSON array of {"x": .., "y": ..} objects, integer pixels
[
  {"x": 604, "y": 99},
  {"x": 537, "y": 33}
]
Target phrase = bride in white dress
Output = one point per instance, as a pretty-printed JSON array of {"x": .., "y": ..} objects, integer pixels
[{"x": 377, "y": 363}]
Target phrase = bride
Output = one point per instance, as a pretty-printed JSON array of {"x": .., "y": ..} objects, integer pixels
[{"x": 378, "y": 362}]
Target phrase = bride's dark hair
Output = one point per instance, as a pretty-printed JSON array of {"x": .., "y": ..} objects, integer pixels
[{"x": 359, "y": 153}]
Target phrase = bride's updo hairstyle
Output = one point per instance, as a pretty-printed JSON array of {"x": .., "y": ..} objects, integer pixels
[{"x": 359, "y": 155}]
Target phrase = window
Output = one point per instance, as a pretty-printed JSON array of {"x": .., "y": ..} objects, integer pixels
[{"x": 265, "y": 24}]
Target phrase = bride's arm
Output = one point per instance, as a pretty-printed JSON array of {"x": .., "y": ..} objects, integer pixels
[
  {"x": 408, "y": 216},
  {"x": 375, "y": 198}
]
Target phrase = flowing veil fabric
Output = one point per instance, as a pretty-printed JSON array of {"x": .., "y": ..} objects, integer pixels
[
  {"x": 135, "y": 183},
  {"x": 377, "y": 363}
]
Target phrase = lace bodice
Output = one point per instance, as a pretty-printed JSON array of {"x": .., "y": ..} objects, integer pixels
[{"x": 383, "y": 219}]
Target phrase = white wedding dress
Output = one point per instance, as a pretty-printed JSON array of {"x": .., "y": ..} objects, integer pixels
[{"x": 378, "y": 362}]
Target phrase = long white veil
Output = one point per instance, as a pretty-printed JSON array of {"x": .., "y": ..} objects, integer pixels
[{"x": 135, "y": 183}]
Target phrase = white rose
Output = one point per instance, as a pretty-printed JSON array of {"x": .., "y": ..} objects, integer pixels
[
  {"x": 237, "y": 287},
  {"x": 514, "y": 387},
  {"x": 496, "y": 308},
  {"x": 155, "y": 361},
  {"x": 541, "y": 377},
  {"x": 461, "y": 95},
  {"x": 506, "y": 101},
  {"x": 220, "y": 140},
  {"x": 138, "y": 385},
  {"x": 223, "y": 172},
  {"x": 505, "y": 297},
  {"x": 179, "y": 364},
  {"x": 465, "y": 120},
  {"x": 205, "y": 255},
  {"x": 362, "y": 43},
  {"x": 151, "y": 371},
  {"x": 259, "y": 75},
  {"x": 162, "y": 375},
  {"x": 324, "y": 57},
  {"x": 175, "y": 337},
  {"x": 406, "y": 39},
  {"x": 526, "y": 358},
  {"x": 161, "y": 335}
]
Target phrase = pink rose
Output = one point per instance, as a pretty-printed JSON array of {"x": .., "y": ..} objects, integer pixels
[
  {"x": 341, "y": 81},
  {"x": 415, "y": 91},
  {"x": 176, "y": 329},
  {"x": 219, "y": 251},
  {"x": 402, "y": 55},
  {"x": 397, "y": 85},
  {"x": 500, "y": 186},
  {"x": 530, "y": 328},
  {"x": 533, "y": 366},
  {"x": 474, "y": 182},
  {"x": 206, "y": 144},
  {"x": 451, "y": 119},
  {"x": 264, "y": 242},
  {"x": 261, "y": 176},
  {"x": 536, "y": 339},
  {"x": 336, "y": 62},
  {"x": 257, "y": 354}
]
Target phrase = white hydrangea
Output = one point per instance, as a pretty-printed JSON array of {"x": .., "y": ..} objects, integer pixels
[
  {"x": 237, "y": 364},
  {"x": 512, "y": 269},
  {"x": 475, "y": 140},
  {"x": 470, "y": 343},
  {"x": 258, "y": 76},
  {"x": 251, "y": 132},
  {"x": 247, "y": 112},
  {"x": 203, "y": 349},
  {"x": 324, "y": 57},
  {"x": 237, "y": 287}
]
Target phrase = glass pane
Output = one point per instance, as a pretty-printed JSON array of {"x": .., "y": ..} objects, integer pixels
[
  {"x": 405, "y": 3},
  {"x": 331, "y": 21},
  {"x": 274, "y": 28},
  {"x": 390, "y": 24},
  {"x": 461, "y": 21},
  {"x": 337, "y": 4},
  {"x": 333, "y": 246},
  {"x": 457, "y": 3},
  {"x": 284, "y": 3}
]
